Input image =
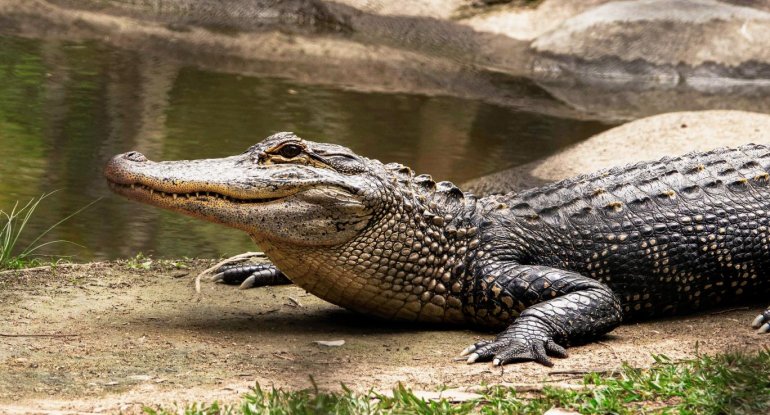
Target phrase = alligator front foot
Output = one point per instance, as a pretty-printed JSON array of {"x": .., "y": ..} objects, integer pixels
[
  {"x": 251, "y": 276},
  {"x": 762, "y": 321},
  {"x": 526, "y": 341}
]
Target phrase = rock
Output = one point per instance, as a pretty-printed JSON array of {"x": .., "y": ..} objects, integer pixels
[
  {"x": 663, "y": 43},
  {"x": 560, "y": 411},
  {"x": 439, "y": 9},
  {"x": 646, "y": 139},
  {"x": 629, "y": 102},
  {"x": 329, "y": 343},
  {"x": 297, "y": 16},
  {"x": 527, "y": 23}
]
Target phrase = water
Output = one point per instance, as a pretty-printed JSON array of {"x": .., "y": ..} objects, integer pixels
[{"x": 66, "y": 108}]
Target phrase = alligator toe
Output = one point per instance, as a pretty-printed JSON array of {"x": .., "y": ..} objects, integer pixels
[
  {"x": 485, "y": 352},
  {"x": 472, "y": 348},
  {"x": 527, "y": 339},
  {"x": 762, "y": 321},
  {"x": 530, "y": 350}
]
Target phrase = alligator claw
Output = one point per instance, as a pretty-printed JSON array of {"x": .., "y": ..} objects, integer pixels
[
  {"x": 218, "y": 277},
  {"x": 536, "y": 351},
  {"x": 248, "y": 282},
  {"x": 516, "y": 345},
  {"x": 470, "y": 349},
  {"x": 762, "y": 322}
]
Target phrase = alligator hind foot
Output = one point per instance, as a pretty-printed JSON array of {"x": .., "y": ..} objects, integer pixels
[
  {"x": 251, "y": 275},
  {"x": 762, "y": 321}
]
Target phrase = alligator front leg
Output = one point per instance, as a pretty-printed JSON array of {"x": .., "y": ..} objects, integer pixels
[
  {"x": 251, "y": 275},
  {"x": 554, "y": 307}
]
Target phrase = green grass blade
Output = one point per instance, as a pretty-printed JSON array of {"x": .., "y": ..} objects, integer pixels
[
  {"x": 25, "y": 212},
  {"x": 58, "y": 241},
  {"x": 31, "y": 246},
  {"x": 7, "y": 234},
  {"x": 14, "y": 223}
]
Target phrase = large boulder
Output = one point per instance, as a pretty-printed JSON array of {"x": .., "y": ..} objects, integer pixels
[
  {"x": 646, "y": 139},
  {"x": 527, "y": 23},
  {"x": 704, "y": 44}
]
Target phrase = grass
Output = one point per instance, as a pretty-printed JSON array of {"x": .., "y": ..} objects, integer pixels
[
  {"x": 735, "y": 383},
  {"x": 14, "y": 223},
  {"x": 143, "y": 261}
]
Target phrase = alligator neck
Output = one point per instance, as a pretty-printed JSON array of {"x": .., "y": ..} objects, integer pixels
[{"x": 411, "y": 264}]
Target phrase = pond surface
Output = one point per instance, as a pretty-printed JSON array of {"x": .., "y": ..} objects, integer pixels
[{"x": 66, "y": 108}]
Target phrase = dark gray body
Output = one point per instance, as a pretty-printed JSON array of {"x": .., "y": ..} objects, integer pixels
[{"x": 668, "y": 236}]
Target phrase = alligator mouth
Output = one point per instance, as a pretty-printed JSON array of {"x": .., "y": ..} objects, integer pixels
[{"x": 199, "y": 196}]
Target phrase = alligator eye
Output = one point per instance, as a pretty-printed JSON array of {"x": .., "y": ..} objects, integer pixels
[{"x": 290, "y": 151}]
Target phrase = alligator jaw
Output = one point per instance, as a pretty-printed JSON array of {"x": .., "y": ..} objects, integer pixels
[
  {"x": 297, "y": 204},
  {"x": 213, "y": 189},
  {"x": 149, "y": 194}
]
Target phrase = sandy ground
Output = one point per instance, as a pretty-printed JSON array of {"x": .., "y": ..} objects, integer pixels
[{"x": 107, "y": 337}]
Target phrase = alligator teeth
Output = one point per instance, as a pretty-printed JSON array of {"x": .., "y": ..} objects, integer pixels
[{"x": 190, "y": 195}]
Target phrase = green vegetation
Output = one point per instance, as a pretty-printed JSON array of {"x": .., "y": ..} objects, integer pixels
[
  {"x": 142, "y": 261},
  {"x": 14, "y": 223},
  {"x": 725, "y": 384}
]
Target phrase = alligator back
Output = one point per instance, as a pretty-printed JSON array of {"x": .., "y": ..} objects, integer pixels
[{"x": 667, "y": 236}]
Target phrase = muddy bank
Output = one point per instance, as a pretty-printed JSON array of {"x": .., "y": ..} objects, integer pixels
[{"x": 104, "y": 337}]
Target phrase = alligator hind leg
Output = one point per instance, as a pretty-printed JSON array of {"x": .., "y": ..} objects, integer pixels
[
  {"x": 762, "y": 321},
  {"x": 251, "y": 275},
  {"x": 556, "y": 306}
]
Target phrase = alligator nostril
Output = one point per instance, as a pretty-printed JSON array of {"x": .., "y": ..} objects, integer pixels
[{"x": 135, "y": 156}]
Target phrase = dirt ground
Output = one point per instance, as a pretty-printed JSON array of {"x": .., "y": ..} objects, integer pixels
[{"x": 108, "y": 337}]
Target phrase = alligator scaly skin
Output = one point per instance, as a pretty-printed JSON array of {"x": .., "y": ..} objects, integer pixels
[{"x": 552, "y": 266}]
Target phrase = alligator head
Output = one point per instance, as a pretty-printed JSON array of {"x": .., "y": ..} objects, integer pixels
[
  {"x": 283, "y": 189},
  {"x": 364, "y": 235}
]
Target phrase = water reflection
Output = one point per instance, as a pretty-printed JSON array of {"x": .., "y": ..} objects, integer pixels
[{"x": 65, "y": 108}]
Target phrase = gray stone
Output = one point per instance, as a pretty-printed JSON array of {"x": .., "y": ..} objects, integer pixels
[
  {"x": 295, "y": 16},
  {"x": 664, "y": 43},
  {"x": 646, "y": 139}
]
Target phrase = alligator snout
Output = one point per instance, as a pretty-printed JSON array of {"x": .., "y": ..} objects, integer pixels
[{"x": 120, "y": 168}]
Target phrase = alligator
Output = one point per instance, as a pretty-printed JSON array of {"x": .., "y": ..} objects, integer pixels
[{"x": 549, "y": 267}]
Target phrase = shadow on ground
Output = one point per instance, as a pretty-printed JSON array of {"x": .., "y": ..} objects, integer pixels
[{"x": 106, "y": 337}]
